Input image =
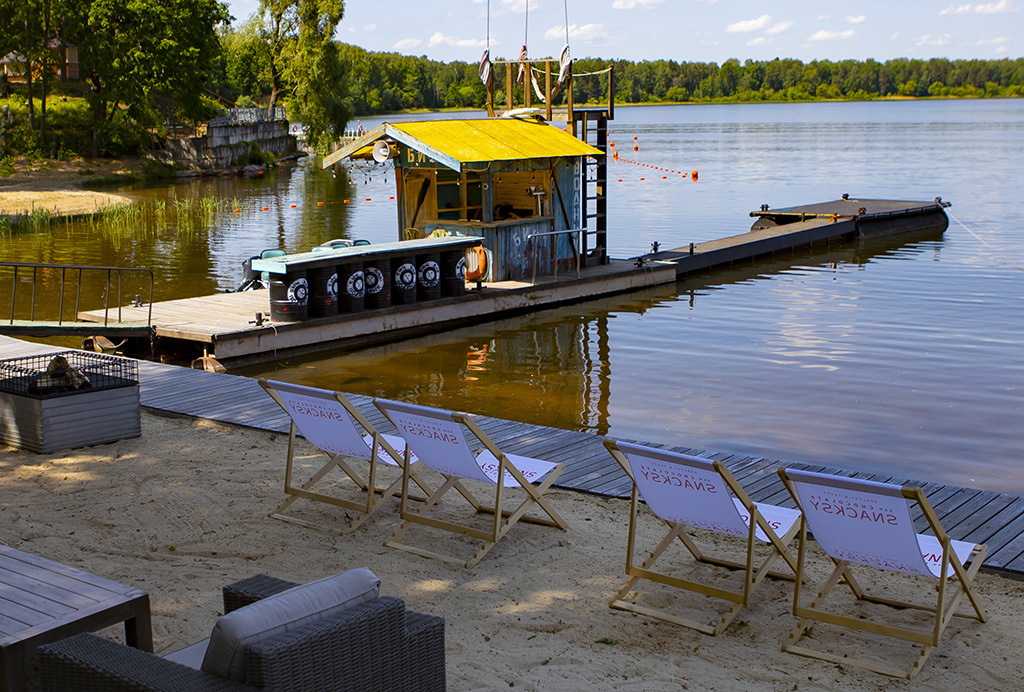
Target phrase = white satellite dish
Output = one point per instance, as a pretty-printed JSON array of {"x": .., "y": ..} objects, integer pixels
[{"x": 381, "y": 151}]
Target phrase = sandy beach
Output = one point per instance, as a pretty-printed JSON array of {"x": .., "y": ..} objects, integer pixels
[
  {"x": 55, "y": 187},
  {"x": 182, "y": 511}
]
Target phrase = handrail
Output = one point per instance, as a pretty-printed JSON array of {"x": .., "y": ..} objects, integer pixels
[
  {"x": 530, "y": 240},
  {"x": 80, "y": 268}
]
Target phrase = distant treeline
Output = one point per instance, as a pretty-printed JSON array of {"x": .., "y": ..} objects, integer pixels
[{"x": 383, "y": 82}]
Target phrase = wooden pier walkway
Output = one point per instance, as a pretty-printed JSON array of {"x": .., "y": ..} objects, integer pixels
[{"x": 969, "y": 514}]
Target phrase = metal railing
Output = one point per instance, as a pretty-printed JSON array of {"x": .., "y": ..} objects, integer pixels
[
  {"x": 78, "y": 269},
  {"x": 532, "y": 244}
]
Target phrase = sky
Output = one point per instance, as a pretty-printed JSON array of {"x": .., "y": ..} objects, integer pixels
[{"x": 683, "y": 30}]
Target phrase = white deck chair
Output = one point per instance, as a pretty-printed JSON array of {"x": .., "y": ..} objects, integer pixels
[
  {"x": 328, "y": 420},
  {"x": 687, "y": 491},
  {"x": 438, "y": 438},
  {"x": 868, "y": 523}
]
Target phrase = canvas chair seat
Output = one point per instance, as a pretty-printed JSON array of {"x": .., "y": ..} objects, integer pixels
[
  {"x": 868, "y": 524},
  {"x": 440, "y": 441},
  {"x": 332, "y": 424},
  {"x": 691, "y": 492}
]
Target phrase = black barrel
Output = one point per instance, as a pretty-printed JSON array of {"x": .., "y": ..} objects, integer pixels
[
  {"x": 323, "y": 291},
  {"x": 289, "y": 296},
  {"x": 403, "y": 274},
  {"x": 453, "y": 272},
  {"x": 351, "y": 287},
  {"x": 377, "y": 274},
  {"x": 428, "y": 276}
]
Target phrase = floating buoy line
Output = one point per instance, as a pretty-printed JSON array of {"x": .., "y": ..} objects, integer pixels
[{"x": 693, "y": 175}]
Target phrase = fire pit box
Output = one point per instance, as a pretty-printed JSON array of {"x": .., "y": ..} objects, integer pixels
[{"x": 68, "y": 399}]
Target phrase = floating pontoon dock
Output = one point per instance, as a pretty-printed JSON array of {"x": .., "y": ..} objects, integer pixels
[
  {"x": 968, "y": 514},
  {"x": 782, "y": 230},
  {"x": 224, "y": 325}
]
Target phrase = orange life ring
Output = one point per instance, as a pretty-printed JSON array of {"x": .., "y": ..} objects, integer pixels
[{"x": 476, "y": 263}]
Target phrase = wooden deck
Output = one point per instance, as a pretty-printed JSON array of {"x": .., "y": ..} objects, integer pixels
[
  {"x": 979, "y": 516},
  {"x": 222, "y": 325}
]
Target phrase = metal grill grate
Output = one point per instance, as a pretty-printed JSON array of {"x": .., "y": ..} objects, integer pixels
[{"x": 66, "y": 372}]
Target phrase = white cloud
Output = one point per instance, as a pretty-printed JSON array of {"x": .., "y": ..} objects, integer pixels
[
  {"x": 439, "y": 38},
  {"x": 1000, "y": 7},
  {"x": 406, "y": 44},
  {"x": 929, "y": 40},
  {"x": 759, "y": 41},
  {"x": 634, "y": 4},
  {"x": 707, "y": 2},
  {"x": 895, "y": 35},
  {"x": 588, "y": 33},
  {"x": 778, "y": 28},
  {"x": 823, "y": 35},
  {"x": 749, "y": 25},
  {"x": 370, "y": 27},
  {"x": 997, "y": 41},
  {"x": 1001, "y": 49},
  {"x": 856, "y": 20},
  {"x": 824, "y": 17}
]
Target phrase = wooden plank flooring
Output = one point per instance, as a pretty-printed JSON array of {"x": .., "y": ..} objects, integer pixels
[{"x": 966, "y": 513}]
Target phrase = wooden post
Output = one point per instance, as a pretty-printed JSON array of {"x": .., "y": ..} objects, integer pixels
[
  {"x": 547, "y": 86},
  {"x": 508, "y": 86},
  {"x": 527, "y": 75},
  {"x": 568, "y": 98},
  {"x": 611, "y": 92}
]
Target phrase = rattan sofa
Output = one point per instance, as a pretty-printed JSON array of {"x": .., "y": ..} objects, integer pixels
[{"x": 375, "y": 646}]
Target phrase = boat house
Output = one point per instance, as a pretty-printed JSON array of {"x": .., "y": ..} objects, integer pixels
[{"x": 517, "y": 182}]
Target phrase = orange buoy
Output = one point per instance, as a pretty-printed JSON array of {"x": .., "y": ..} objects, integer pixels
[
  {"x": 266, "y": 208},
  {"x": 643, "y": 178},
  {"x": 345, "y": 201},
  {"x": 319, "y": 204},
  {"x": 476, "y": 263},
  {"x": 238, "y": 211},
  {"x": 611, "y": 144},
  {"x": 664, "y": 177},
  {"x": 294, "y": 205},
  {"x": 694, "y": 174},
  {"x": 369, "y": 199},
  {"x": 620, "y": 180}
]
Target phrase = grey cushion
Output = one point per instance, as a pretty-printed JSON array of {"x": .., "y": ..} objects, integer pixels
[{"x": 235, "y": 632}]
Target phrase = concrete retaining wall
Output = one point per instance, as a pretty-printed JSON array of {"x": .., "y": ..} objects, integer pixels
[{"x": 223, "y": 143}]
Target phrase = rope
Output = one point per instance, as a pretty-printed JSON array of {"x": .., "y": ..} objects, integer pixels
[
  {"x": 488, "y": 26},
  {"x": 983, "y": 241}
]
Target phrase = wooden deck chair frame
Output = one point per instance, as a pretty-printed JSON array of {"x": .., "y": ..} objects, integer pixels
[
  {"x": 943, "y": 610},
  {"x": 370, "y": 497},
  {"x": 754, "y": 572},
  {"x": 503, "y": 519}
]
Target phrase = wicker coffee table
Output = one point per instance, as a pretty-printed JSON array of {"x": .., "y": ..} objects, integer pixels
[{"x": 42, "y": 601}]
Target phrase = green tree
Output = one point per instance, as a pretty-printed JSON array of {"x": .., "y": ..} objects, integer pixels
[
  {"x": 319, "y": 96},
  {"x": 139, "y": 52}
]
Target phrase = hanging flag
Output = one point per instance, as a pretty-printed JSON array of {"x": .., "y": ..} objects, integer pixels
[
  {"x": 522, "y": 64},
  {"x": 485, "y": 68},
  {"x": 564, "y": 70}
]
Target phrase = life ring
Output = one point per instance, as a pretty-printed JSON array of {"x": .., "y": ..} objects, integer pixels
[{"x": 476, "y": 263}]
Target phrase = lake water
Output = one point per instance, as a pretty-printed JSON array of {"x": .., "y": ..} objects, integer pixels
[{"x": 902, "y": 358}]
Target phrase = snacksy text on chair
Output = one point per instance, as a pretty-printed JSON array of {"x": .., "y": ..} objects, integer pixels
[
  {"x": 860, "y": 522},
  {"x": 687, "y": 491},
  {"x": 328, "y": 420},
  {"x": 438, "y": 438}
]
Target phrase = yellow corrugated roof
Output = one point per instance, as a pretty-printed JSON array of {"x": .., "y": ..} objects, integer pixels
[{"x": 494, "y": 139}]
